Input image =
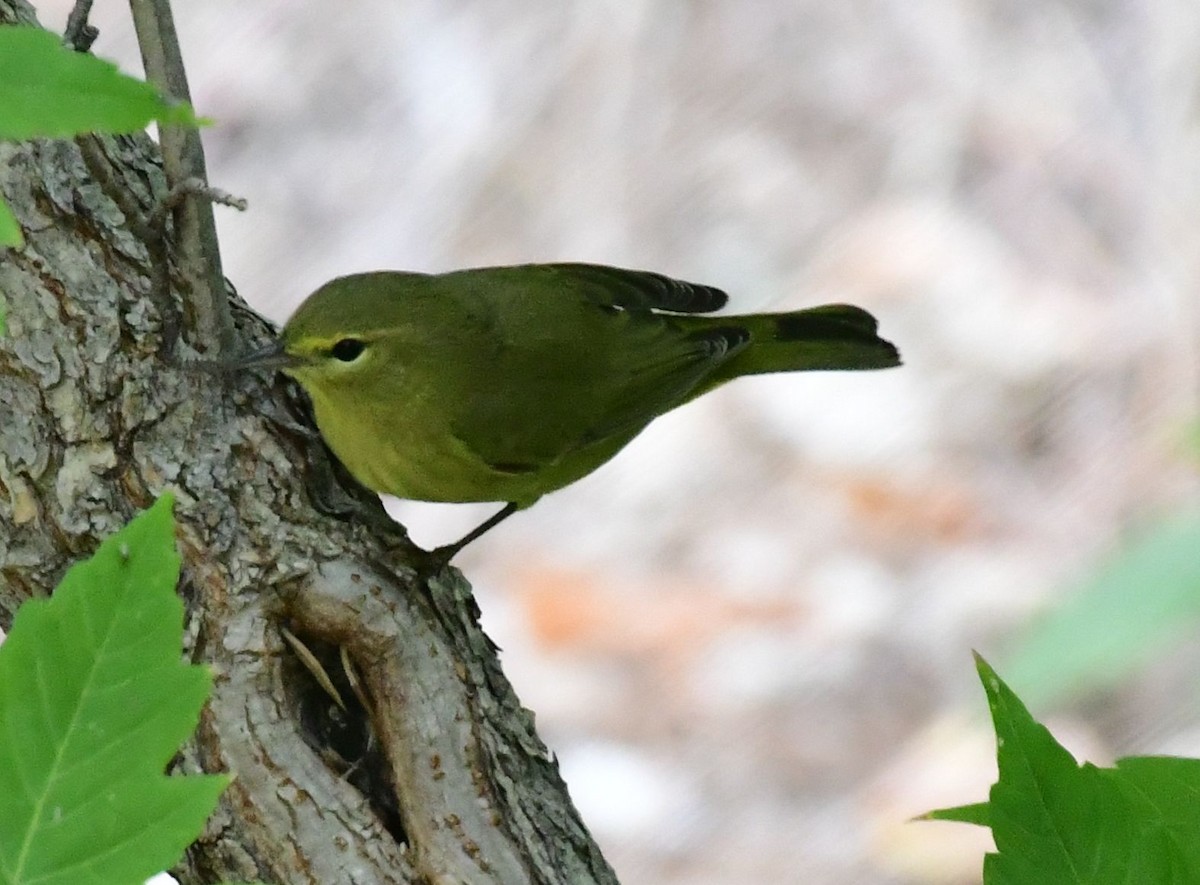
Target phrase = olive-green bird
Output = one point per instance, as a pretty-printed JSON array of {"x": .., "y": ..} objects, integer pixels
[{"x": 505, "y": 383}]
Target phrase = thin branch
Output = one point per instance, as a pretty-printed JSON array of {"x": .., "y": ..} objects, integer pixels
[
  {"x": 196, "y": 187},
  {"x": 80, "y": 35},
  {"x": 313, "y": 665},
  {"x": 151, "y": 231},
  {"x": 198, "y": 252}
]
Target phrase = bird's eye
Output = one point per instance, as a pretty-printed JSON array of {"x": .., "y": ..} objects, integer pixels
[{"x": 347, "y": 350}]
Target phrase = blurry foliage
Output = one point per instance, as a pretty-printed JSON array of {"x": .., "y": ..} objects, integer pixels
[
  {"x": 1054, "y": 820},
  {"x": 1145, "y": 598}
]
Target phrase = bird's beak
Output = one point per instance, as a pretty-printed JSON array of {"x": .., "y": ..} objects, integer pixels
[{"x": 273, "y": 356}]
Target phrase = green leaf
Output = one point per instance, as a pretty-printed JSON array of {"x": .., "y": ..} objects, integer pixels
[
  {"x": 1149, "y": 595},
  {"x": 1171, "y": 784},
  {"x": 10, "y": 235},
  {"x": 1054, "y": 820},
  {"x": 1167, "y": 791},
  {"x": 980, "y": 814},
  {"x": 94, "y": 702},
  {"x": 1041, "y": 791},
  {"x": 47, "y": 90}
]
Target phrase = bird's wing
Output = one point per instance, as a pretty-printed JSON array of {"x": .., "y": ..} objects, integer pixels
[
  {"x": 547, "y": 398},
  {"x": 602, "y": 286}
]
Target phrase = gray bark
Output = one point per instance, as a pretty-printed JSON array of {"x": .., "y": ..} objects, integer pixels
[{"x": 95, "y": 423}]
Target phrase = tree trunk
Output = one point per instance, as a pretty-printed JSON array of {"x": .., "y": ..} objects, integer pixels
[{"x": 435, "y": 773}]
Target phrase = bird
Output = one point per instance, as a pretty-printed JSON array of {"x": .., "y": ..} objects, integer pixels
[{"x": 502, "y": 384}]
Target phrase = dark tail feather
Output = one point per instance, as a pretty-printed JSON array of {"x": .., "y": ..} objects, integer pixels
[{"x": 830, "y": 337}]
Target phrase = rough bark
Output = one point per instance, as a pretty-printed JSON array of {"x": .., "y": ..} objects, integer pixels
[{"x": 444, "y": 780}]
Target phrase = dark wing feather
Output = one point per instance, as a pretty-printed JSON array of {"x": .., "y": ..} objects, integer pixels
[{"x": 635, "y": 290}]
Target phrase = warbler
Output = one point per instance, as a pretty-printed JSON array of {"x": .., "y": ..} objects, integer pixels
[{"x": 505, "y": 383}]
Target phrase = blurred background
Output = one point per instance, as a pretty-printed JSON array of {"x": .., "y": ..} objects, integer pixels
[{"x": 748, "y": 637}]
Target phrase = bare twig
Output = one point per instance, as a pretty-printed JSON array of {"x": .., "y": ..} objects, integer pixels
[
  {"x": 79, "y": 35},
  {"x": 356, "y": 683},
  {"x": 98, "y": 164},
  {"x": 310, "y": 662},
  {"x": 195, "y": 187},
  {"x": 198, "y": 253},
  {"x": 151, "y": 231}
]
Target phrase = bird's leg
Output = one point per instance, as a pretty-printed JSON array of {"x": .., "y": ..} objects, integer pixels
[{"x": 442, "y": 555}]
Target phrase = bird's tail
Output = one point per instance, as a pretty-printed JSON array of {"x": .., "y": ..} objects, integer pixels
[{"x": 833, "y": 336}]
